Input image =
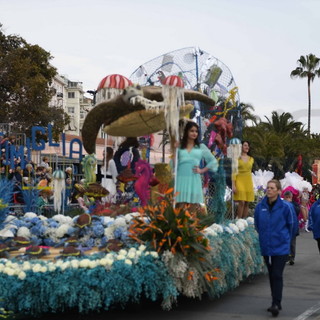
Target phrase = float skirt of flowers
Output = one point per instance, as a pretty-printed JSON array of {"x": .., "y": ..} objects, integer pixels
[{"x": 100, "y": 281}]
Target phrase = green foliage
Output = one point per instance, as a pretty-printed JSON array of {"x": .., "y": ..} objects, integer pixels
[
  {"x": 307, "y": 69},
  {"x": 272, "y": 144},
  {"x": 247, "y": 114},
  {"x": 25, "y": 76}
]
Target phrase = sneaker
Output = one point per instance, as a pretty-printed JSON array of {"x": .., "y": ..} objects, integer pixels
[
  {"x": 269, "y": 309},
  {"x": 274, "y": 309}
]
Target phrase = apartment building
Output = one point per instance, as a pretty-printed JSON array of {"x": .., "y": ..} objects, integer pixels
[{"x": 70, "y": 95}]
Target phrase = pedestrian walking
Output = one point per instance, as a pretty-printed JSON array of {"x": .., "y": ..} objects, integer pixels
[
  {"x": 274, "y": 223},
  {"x": 314, "y": 221},
  {"x": 288, "y": 196}
]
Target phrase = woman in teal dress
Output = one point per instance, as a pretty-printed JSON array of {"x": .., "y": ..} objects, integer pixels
[{"x": 190, "y": 154}]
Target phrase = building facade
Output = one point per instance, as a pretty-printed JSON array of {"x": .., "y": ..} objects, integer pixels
[{"x": 70, "y": 95}]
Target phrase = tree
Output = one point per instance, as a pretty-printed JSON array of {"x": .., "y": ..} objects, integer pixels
[
  {"x": 277, "y": 142},
  {"x": 25, "y": 78},
  {"x": 307, "y": 69},
  {"x": 247, "y": 114},
  {"x": 266, "y": 147},
  {"x": 283, "y": 123}
]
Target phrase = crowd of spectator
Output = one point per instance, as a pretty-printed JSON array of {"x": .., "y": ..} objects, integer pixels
[{"x": 33, "y": 176}]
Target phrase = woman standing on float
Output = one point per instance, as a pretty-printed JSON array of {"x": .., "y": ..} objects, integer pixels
[
  {"x": 242, "y": 184},
  {"x": 188, "y": 179}
]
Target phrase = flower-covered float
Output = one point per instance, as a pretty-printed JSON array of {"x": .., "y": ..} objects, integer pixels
[
  {"x": 156, "y": 253},
  {"x": 100, "y": 259}
]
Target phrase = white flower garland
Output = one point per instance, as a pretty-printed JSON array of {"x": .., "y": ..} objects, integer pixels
[
  {"x": 129, "y": 257},
  {"x": 239, "y": 226}
]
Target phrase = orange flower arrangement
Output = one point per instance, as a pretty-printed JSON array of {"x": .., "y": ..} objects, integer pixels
[
  {"x": 168, "y": 228},
  {"x": 175, "y": 229}
]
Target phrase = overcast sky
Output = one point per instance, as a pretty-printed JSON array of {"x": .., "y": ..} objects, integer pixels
[{"x": 259, "y": 40}]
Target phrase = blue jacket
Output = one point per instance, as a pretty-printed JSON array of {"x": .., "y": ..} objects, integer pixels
[
  {"x": 314, "y": 219},
  {"x": 275, "y": 228},
  {"x": 295, "y": 215}
]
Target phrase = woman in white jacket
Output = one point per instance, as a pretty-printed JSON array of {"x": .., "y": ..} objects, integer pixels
[{"x": 109, "y": 175}]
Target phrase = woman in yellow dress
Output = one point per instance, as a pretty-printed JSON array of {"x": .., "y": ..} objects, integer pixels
[{"x": 242, "y": 184}]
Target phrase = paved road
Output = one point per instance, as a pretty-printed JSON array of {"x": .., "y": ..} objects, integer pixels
[{"x": 249, "y": 301}]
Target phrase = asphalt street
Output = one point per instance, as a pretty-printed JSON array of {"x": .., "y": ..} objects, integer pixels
[{"x": 301, "y": 297}]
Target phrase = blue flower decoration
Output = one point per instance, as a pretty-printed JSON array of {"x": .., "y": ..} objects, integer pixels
[
  {"x": 118, "y": 233},
  {"x": 38, "y": 231},
  {"x": 103, "y": 240},
  {"x": 53, "y": 224},
  {"x": 98, "y": 230},
  {"x": 71, "y": 231},
  {"x": 49, "y": 242},
  {"x": 35, "y": 220},
  {"x": 35, "y": 241},
  {"x": 124, "y": 236},
  {"x": 90, "y": 243}
]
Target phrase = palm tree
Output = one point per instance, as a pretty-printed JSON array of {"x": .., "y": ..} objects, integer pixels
[
  {"x": 247, "y": 114},
  {"x": 271, "y": 143},
  {"x": 307, "y": 69},
  {"x": 282, "y": 123}
]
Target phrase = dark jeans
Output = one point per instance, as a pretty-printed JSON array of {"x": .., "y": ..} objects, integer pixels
[
  {"x": 293, "y": 248},
  {"x": 318, "y": 240},
  {"x": 275, "y": 265}
]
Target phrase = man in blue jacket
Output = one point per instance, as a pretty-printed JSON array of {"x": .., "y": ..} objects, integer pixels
[
  {"x": 288, "y": 197},
  {"x": 314, "y": 221},
  {"x": 274, "y": 223}
]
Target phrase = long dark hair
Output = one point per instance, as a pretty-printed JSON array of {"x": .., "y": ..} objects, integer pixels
[
  {"x": 107, "y": 156},
  {"x": 184, "y": 140},
  {"x": 246, "y": 141}
]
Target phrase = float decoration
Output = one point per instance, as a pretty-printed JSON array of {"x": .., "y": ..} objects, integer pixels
[
  {"x": 59, "y": 186},
  {"x": 231, "y": 100},
  {"x": 90, "y": 187},
  {"x": 199, "y": 70},
  {"x": 234, "y": 153},
  {"x": 144, "y": 176},
  {"x": 224, "y": 131},
  {"x": 261, "y": 178},
  {"x": 127, "y": 115},
  {"x": 111, "y": 86},
  {"x": 294, "y": 180},
  {"x": 177, "y": 232},
  {"x": 116, "y": 278},
  {"x": 173, "y": 97}
]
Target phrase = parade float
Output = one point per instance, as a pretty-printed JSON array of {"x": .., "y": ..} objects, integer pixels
[{"x": 110, "y": 255}]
